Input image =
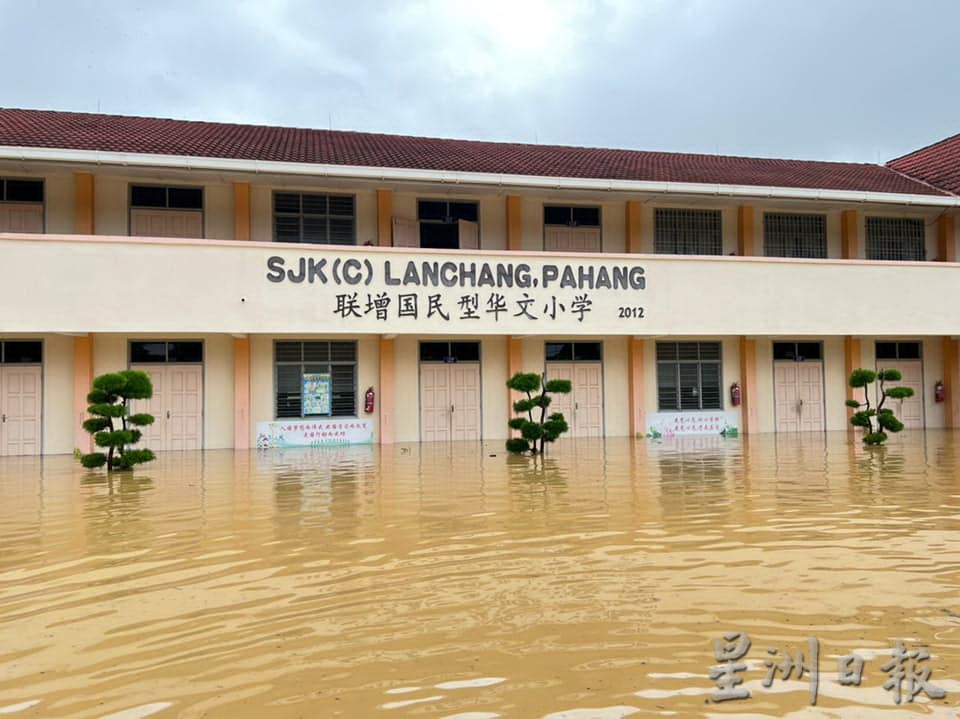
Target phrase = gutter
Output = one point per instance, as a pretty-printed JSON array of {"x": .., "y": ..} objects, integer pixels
[{"x": 475, "y": 179}]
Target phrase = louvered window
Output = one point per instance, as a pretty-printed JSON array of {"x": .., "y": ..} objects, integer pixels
[
  {"x": 317, "y": 219},
  {"x": 688, "y": 376},
  {"x": 293, "y": 359},
  {"x": 794, "y": 235},
  {"x": 687, "y": 232},
  {"x": 895, "y": 238}
]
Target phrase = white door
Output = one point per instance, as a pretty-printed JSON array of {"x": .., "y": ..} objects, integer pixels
[
  {"x": 449, "y": 402},
  {"x": 20, "y": 409},
  {"x": 798, "y": 396},
  {"x": 583, "y": 406},
  {"x": 572, "y": 239},
  {"x": 176, "y": 406},
  {"x": 166, "y": 223},
  {"x": 909, "y": 411}
]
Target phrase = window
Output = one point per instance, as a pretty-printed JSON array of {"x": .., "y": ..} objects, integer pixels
[
  {"x": 895, "y": 238},
  {"x": 573, "y": 351},
  {"x": 440, "y": 222},
  {"x": 571, "y": 216},
  {"x": 797, "y": 351},
  {"x": 293, "y": 359},
  {"x": 18, "y": 190},
  {"x": 898, "y": 350},
  {"x": 687, "y": 232},
  {"x": 688, "y": 376},
  {"x": 166, "y": 198},
  {"x": 156, "y": 351},
  {"x": 792, "y": 235},
  {"x": 21, "y": 352},
  {"x": 449, "y": 352},
  {"x": 312, "y": 218}
]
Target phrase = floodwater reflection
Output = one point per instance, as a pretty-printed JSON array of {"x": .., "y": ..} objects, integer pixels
[{"x": 452, "y": 580}]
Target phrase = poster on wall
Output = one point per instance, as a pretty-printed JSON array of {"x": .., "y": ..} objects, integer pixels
[
  {"x": 316, "y": 394},
  {"x": 314, "y": 432},
  {"x": 674, "y": 424}
]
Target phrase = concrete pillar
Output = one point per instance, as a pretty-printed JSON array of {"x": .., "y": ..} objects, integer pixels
[
  {"x": 748, "y": 389},
  {"x": 635, "y": 387},
  {"x": 82, "y": 378},
  {"x": 241, "y": 392},
  {"x": 746, "y": 242},
  {"x": 633, "y": 227},
  {"x": 385, "y": 218},
  {"x": 84, "y": 220}
]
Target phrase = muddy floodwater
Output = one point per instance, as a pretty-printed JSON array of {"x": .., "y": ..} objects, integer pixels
[{"x": 453, "y": 581}]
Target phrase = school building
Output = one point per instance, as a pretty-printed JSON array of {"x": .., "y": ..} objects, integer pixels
[{"x": 291, "y": 286}]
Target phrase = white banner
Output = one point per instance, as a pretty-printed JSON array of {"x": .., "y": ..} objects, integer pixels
[
  {"x": 673, "y": 424},
  {"x": 314, "y": 432}
]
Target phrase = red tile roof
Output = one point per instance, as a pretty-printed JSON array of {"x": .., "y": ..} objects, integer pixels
[
  {"x": 84, "y": 131},
  {"x": 938, "y": 164}
]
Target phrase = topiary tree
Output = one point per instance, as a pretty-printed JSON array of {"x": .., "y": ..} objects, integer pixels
[
  {"x": 109, "y": 400},
  {"x": 543, "y": 429},
  {"x": 865, "y": 414}
]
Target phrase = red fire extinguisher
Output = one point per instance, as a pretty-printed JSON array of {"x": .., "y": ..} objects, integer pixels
[
  {"x": 368, "y": 400},
  {"x": 939, "y": 392},
  {"x": 735, "y": 394}
]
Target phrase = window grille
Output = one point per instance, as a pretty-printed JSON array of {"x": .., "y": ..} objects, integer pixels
[
  {"x": 687, "y": 232},
  {"x": 895, "y": 238},
  {"x": 794, "y": 235},
  {"x": 689, "y": 376},
  {"x": 293, "y": 359},
  {"x": 312, "y": 218}
]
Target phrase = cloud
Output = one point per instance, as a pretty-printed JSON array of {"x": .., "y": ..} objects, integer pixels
[{"x": 860, "y": 80}]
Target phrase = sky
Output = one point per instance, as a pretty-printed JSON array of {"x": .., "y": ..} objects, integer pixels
[{"x": 844, "y": 80}]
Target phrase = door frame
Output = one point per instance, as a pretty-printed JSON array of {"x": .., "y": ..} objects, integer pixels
[
  {"x": 574, "y": 363},
  {"x": 43, "y": 385},
  {"x": 823, "y": 380},
  {"x": 478, "y": 362},
  {"x": 203, "y": 373}
]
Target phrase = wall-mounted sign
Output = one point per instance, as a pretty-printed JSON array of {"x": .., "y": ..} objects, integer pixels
[
  {"x": 316, "y": 393},
  {"x": 672, "y": 424},
  {"x": 314, "y": 432},
  {"x": 425, "y": 295}
]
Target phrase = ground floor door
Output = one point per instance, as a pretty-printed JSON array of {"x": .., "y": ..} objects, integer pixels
[
  {"x": 21, "y": 402},
  {"x": 176, "y": 405},
  {"x": 583, "y": 407},
  {"x": 449, "y": 402},
  {"x": 798, "y": 392},
  {"x": 910, "y": 410}
]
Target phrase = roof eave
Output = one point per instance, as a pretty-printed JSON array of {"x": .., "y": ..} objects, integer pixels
[{"x": 480, "y": 179}]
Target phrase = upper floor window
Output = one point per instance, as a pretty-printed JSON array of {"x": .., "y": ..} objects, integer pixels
[
  {"x": 448, "y": 225},
  {"x": 314, "y": 218},
  {"x": 896, "y": 238},
  {"x": 571, "y": 216},
  {"x": 687, "y": 232},
  {"x": 688, "y": 376},
  {"x": 794, "y": 235},
  {"x": 19, "y": 190},
  {"x": 166, "y": 211}
]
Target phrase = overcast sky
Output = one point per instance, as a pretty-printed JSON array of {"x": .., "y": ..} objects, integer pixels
[{"x": 862, "y": 81}]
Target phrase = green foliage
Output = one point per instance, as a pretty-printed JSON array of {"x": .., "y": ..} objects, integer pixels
[
  {"x": 109, "y": 401},
  {"x": 886, "y": 420},
  {"x": 516, "y": 445},
  {"x": 559, "y": 386},
  {"x": 93, "y": 460},
  {"x": 899, "y": 392},
  {"x": 535, "y": 432},
  {"x": 862, "y": 377},
  {"x": 527, "y": 382}
]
